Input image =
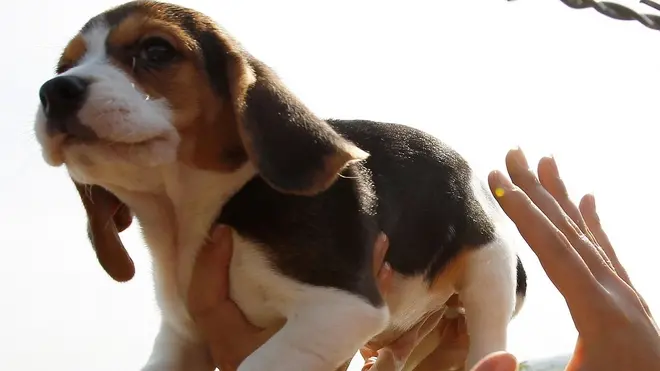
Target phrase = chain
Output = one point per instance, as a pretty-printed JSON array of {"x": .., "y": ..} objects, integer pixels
[{"x": 618, "y": 11}]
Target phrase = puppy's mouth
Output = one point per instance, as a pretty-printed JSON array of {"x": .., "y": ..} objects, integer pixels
[
  {"x": 72, "y": 140},
  {"x": 79, "y": 133},
  {"x": 74, "y": 145},
  {"x": 145, "y": 153},
  {"x": 146, "y": 150}
]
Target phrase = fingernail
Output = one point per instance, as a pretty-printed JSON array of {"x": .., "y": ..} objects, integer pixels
[
  {"x": 555, "y": 168},
  {"x": 593, "y": 203},
  {"x": 219, "y": 232},
  {"x": 387, "y": 268},
  {"x": 519, "y": 157},
  {"x": 502, "y": 183},
  {"x": 385, "y": 278},
  {"x": 382, "y": 237}
]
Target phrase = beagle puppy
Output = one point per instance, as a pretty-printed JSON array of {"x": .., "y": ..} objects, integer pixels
[{"x": 159, "y": 114}]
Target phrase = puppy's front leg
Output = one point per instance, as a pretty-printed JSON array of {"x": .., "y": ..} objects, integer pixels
[
  {"x": 172, "y": 352},
  {"x": 322, "y": 331}
]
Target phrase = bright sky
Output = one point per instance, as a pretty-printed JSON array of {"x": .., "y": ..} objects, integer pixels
[{"x": 484, "y": 75}]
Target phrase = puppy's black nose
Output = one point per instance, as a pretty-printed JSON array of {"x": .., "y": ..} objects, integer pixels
[{"x": 62, "y": 96}]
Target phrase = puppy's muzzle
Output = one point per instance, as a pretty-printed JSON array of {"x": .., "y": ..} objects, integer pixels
[{"x": 61, "y": 99}]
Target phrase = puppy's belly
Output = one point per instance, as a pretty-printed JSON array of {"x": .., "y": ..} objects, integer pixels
[{"x": 265, "y": 296}]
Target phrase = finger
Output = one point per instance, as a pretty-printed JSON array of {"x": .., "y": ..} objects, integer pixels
[
  {"x": 384, "y": 280},
  {"x": 559, "y": 260},
  {"x": 453, "y": 308},
  {"x": 462, "y": 325},
  {"x": 500, "y": 361},
  {"x": 386, "y": 361},
  {"x": 462, "y": 331},
  {"x": 429, "y": 325},
  {"x": 367, "y": 353},
  {"x": 524, "y": 178},
  {"x": 444, "y": 329},
  {"x": 552, "y": 182},
  {"x": 382, "y": 270},
  {"x": 369, "y": 364},
  {"x": 380, "y": 250},
  {"x": 447, "y": 330},
  {"x": 455, "y": 334},
  {"x": 588, "y": 209},
  {"x": 209, "y": 282},
  {"x": 403, "y": 346}
]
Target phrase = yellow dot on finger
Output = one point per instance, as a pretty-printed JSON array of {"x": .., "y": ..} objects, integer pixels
[{"x": 499, "y": 192}]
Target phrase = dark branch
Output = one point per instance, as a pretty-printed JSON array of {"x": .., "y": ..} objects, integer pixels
[{"x": 618, "y": 11}]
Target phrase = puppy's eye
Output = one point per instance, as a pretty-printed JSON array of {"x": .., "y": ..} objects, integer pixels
[{"x": 157, "y": 52}]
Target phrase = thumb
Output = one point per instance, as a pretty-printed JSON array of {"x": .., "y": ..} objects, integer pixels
[
  {"x": 500, "y": 361},
  {"x": 209, "y": 284},
  {"x": 386, "y": 361}
]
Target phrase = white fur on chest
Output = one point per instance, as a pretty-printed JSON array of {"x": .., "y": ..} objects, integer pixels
[
  {"x": 176, "y": 207},
  {"x": 175, "y": 222},
  {"x": 175, "y": 218}
]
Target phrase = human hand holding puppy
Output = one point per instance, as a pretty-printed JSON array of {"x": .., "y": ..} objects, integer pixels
[
  {"x": 569, "y": 241},
  {"x": 230, "y": 336}
]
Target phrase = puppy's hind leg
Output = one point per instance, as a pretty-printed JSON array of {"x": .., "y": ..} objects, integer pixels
[{"x": 488, "y": 294}]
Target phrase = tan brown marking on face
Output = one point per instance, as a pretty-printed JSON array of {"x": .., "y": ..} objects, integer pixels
[
  {"x": 295, "y": 151},
  {"x": 75, "y": 49},
  {"x": 205, "y": 121},
  {"x": 211, "y": 146}
]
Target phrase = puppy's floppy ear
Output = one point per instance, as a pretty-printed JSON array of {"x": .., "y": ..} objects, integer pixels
[
  {"x": 106, "y": 217},
  {"x": 293, "y": 150}
]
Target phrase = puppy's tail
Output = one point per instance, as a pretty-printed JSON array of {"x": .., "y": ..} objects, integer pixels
[{"x": 521, "y": 286}]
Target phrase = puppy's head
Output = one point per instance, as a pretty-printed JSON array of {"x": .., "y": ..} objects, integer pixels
[{"x": 148, "y": 84}]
